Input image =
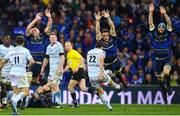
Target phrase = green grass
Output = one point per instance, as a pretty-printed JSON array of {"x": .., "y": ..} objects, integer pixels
[{"x": 101, "y": 110}]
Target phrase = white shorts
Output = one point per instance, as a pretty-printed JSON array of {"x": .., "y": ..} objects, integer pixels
[
  {"x": 96, "y": 83},
  {"x": 54, "y": 78},
  {"x": 19, "y": 81}
]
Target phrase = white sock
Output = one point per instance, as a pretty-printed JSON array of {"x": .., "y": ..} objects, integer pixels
[
  {"x": 27, "y": 101},
  {"x": 57, "y": 96},
  {"x": 53, "y": 97},
  {"x": 21, "y": 95},
  {"x": 14, "y": 103},
  {"x": 104, "y": 99}
]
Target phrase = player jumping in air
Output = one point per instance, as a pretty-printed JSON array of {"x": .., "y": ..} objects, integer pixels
[
  {"x": 162, "y": 51},
  {"x": 107, "y": 40}
]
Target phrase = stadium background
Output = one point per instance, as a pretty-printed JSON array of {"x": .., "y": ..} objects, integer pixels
[{"x": 73, "y": 20}]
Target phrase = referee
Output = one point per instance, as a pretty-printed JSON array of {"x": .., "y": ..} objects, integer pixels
[{"x": 75, "y": 63}]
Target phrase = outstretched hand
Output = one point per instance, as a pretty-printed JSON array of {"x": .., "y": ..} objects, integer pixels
[
  {"x": 162, "y": 10},
  {"x": 48, "y": 13},
  {"x": 97, "y": 15},
  {"x": 39, "y": 16},
  {"x": 151, "y": 7},
  {"x": 105, "y": 13}
]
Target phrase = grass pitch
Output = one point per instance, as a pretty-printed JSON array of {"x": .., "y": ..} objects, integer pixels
[{"x": 102, "y": 110}]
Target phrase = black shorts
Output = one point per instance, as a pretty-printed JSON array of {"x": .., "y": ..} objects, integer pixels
[
  {"x": 81, "y": 74},
  {"x": 160, "y": 65},
  {"x": 114, "y": 66}
]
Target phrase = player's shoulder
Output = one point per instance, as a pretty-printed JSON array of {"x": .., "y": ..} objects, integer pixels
[
  {"x": 24, "y": 49},
  {"x": 59, "y": 43},
  {"x": 1, "y": 45}
]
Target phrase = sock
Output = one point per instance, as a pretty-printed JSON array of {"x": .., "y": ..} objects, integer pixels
[
  {"x": 104, "y": 99},
  {"x": 9, "y": 95},
  {"x": 14, "y": 105},
  {"x": 53, "y": 97},
  {"x": 164, "y": 90},
  {"x": 27, "y": 101},
  {"x": 73, "y": 95},
  {"x": 57, "y": 96},
  {"x": 21, "y": 95}
]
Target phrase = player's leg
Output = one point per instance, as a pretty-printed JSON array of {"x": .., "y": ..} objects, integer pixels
[
  {"x": 104, "y": 98},
  {"x": 101, "y": 93},
  {"x": 71, "y": 86},
  {"x": 57, "y": 95},
  {"x": 23, "y": 101},
  {"x": 16, "y": 90},
  {"x": 82, "y": 75},
  {"x": 166, "y": 71},
  {"x": 161, "y": 78},
  {"x": 116, "y": 69},
  {"x": 110, "y": 81}
]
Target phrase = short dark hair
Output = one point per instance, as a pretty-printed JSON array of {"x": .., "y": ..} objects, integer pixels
[
  {"x": 5, "y": 35},
  {"x": 98, "y": 44},
  {"x": 104, "y": 30},
  {"x": 19, "y": 40},
  {"x": 53, "y": 33}
]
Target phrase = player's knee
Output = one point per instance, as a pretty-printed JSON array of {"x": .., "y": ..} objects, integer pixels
[
  {"x": 70, "y": 88},
  {"x": 83, "y": 88},
  {"x": 167, "y": 69}
]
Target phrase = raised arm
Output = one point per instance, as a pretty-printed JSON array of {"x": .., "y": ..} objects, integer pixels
[
  {"x": 97, "y": 23},
  {"x": 150, "y": 20},
  {"x": 105, "y": 13},
  {"x": 31, "y": 25},
  {"x": 168, "y": 21},
  {"x": 47, "y": 30}
]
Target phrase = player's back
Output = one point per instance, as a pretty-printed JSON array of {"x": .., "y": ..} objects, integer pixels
[
  {"x": 18, "y": 58},
  {"x": 93, "y": 62}
]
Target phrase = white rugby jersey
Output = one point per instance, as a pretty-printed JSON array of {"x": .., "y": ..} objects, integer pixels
[
  {"x": 53, "y": 52},
  {"x": 93, "y": 62},
  {"x": 3, "y": 51},
  {"x": 18, "y": 57}
]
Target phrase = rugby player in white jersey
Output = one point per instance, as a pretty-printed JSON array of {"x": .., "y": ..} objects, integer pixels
[
  {"x": 4, "y": 77},
  {"x": 56, "y": 59},
  {"x": 18, "y": 57},
  {"x": 98, "y": 76}
]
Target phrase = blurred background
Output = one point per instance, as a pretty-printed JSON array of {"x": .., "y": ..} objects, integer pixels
[{"x": 73, "y": 20}]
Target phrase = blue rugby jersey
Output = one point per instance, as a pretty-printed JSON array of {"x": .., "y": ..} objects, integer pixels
[
  {"x": 161, "y": 45},
  {"x": 37, "y": 47},
  {"x": 110, "y": 48}
]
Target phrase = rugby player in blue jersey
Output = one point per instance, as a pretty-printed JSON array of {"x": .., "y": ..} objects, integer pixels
[
  {"x": 108, "y": 41},
  {"x": 161, "y": 46}
]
